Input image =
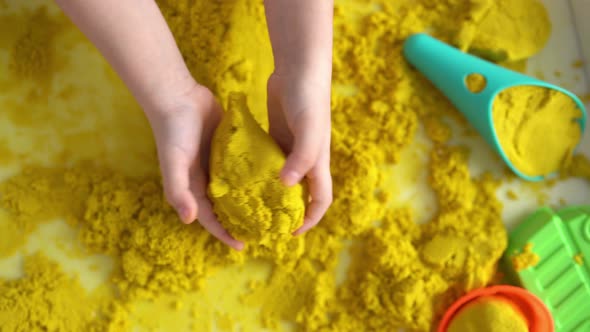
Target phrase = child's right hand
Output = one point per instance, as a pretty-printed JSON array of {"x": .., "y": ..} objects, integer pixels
[
  {"x": 136, "y": 41},
  {"x": 183, "y": 123}
]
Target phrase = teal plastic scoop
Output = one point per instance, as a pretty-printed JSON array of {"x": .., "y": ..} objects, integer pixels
[{"x": 448, "y": 68}]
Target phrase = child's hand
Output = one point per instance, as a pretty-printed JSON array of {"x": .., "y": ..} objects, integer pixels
[
  {"x": 183, "y": 126},
  {"x": 299, "y": 95},
  {"x": 136, "y": 41},
  {"x": 299, "y": 120},
  {"x": 139, "y": 45}
]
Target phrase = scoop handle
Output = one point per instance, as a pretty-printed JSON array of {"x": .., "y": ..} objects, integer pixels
[{"x": 448, "y": 68}]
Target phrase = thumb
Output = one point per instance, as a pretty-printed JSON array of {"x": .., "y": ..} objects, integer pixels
[
  {"x": 176, "y": 177},
  {"x": 306, "y": 149}
]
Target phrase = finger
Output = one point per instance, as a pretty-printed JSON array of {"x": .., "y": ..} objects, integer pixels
[
  {"x": 320, "y": 188},
  {"x": 209, "y": 221},
  {"x": 207, "y": 217},
  {"x": 306, "y": 149},
  {"x": 176, "y": 177}
]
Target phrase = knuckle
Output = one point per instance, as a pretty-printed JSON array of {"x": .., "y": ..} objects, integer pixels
[
  {"x": 330, "y": 196},
  {"x": 325, "y": 197},
  {"x": 174, "y": 198},
  {"x": 329, "y": 200}
]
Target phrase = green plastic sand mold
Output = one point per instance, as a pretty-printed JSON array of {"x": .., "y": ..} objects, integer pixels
[{"x": 557, "y": 279}]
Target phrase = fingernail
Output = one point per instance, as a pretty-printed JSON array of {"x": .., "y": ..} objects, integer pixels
[
  {"x": 297, "y": 232},
  {"x": 301, "y": 229},
  {"x": 183, "y": 213},
  {"x": 291, "y": 178},
  {"x": 239, "y": 246}
]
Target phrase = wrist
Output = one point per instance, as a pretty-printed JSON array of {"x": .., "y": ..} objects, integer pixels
[
  {"x": 318, "y": 72},
  {"x": 309, "y": 89},
  {"x": 174, "y": 91}
]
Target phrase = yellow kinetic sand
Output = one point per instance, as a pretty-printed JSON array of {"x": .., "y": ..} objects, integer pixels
[{"x": 62, "y": 105}]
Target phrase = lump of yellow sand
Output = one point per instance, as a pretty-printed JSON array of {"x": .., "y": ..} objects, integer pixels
[
  {"x": 527, "y": 258},
  {"x": 505, "y": 30},
  {"x": 248, "y": 196},
  {"x": 44, "y": 299},
  {"x": 536, "y": 128}
]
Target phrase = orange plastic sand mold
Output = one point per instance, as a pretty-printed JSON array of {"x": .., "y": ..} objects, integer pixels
[{"x": 532, "y": 309}]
